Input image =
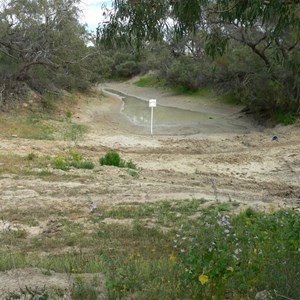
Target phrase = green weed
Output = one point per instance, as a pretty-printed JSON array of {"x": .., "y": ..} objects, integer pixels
[
  {"x": 112, "y": 158},
  {"x": 59, "y": 162},
  {"x": 85, "y": 164},
  {"x": 82, "y": 290},
  {"x": 133, "y": 173},
  {"x": 231, "y": 98},
  {"x": 284, "y": 118},
  {"x": 74, "y": 159}
]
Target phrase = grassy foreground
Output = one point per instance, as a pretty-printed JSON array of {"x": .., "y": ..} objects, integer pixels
[
  {"x": 188, "y": 249},
  {"x": 166, "y": 250}
]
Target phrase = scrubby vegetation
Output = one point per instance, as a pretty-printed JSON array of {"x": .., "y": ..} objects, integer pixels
[
  {"x": 248, "y": 50},
  {"x": 172, "y": 250},
  {"x": 74, "y": 159},
  {"x": 113, "y": 158}
]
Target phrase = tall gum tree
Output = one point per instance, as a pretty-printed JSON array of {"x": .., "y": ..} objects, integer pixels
[
  {"x": 270, "y": 28},
  {"x": 43, "y": 36}
]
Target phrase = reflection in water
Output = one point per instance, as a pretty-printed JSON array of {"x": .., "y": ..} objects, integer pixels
[
  {"x": 138, "y": 112},
  {"x": 176, "y": 120}
]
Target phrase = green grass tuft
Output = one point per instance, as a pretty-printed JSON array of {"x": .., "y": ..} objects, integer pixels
[
  {"x": 284, "y": 118},
  {"x": 149, "y": 81}
]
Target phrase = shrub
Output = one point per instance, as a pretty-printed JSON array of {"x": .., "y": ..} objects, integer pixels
[
  {"x": 84, "y": 164},
  {"x": 74, "y": 159},
  {"x": 60, "y": 163},
  {"x": 130, "y": 165},
  {"x": 127, "y": 69},
  {"x": 284, "y": 118},
  {"x": 112, "y": 158},
  {"x": 188, "y": 74}
]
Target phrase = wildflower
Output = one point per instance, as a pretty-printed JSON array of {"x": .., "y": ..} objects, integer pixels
[
  {"x": 172, "y": 257},
  {"x": 203, "y": 279},
  {"x": 237, "y": 251},
  {"x": 230, "y": 269}
]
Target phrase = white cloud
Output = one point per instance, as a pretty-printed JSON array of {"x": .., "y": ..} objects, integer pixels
[{"x": 93, "y": 12}]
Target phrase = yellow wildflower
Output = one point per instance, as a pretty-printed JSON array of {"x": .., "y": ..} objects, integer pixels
[
  {"x": 203, "y": 279},
  {"x": 172, "y": 257},
  {"x": 230, "y": 269}
]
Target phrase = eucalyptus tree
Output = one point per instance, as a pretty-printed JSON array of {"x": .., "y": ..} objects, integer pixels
[
  {"x": 269, "y": 29},
  {"x": 42, "y": 39}
]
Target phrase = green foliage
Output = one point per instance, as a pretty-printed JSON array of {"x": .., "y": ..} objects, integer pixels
[
  {"x": 188, "y": 73},
  {"x": 48, "y": 102},
  {"x": 284, "y": 118},
  {"x": 31, "y": 156},
  {"x": 46, "y": 50},
  {"x": 82, "y": 290},
  {"x": 85, "y": 164},
  {"x": 149, "y": 81},
  {"x": 254, "y": 47},
  {"x": 231, "y": 98},
  {"x": 59, "y": 162},
  {"x": 112, "y": 158},
  {"x": 238, "y": 255},
  {"x": 130, "y": 165},
  {"x": 183, "y": 249},
  {"x": 127, "y": 69},
  {"x": 74, "y": 159}
]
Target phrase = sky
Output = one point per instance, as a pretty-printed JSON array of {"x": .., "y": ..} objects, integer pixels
[{"x": 92, "y": 12}]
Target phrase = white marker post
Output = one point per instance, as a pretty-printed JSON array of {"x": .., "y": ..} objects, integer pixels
[{"x": 152, "y": 103}]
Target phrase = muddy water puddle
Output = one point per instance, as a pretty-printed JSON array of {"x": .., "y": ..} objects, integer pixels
[{"x": 173, "y": 120}]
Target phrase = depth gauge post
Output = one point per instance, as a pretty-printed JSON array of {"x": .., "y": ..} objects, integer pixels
[{"x": 152, "y": 103}]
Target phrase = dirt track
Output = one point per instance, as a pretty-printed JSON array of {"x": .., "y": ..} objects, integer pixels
[{"x": 247, "y": 167}]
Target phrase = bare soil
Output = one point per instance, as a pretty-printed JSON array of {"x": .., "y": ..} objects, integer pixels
[{"x": 244, "y": 166}]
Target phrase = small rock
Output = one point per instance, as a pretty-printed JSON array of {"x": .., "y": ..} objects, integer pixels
[{"x": 263, "y": 295}]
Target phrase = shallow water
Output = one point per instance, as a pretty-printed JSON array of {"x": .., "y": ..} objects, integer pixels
[
  {"x": 139, "y": 113},
  {"x": 175, "y": 119}
]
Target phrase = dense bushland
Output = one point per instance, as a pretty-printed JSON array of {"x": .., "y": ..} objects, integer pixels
[{"x": 249, "y": 51}]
